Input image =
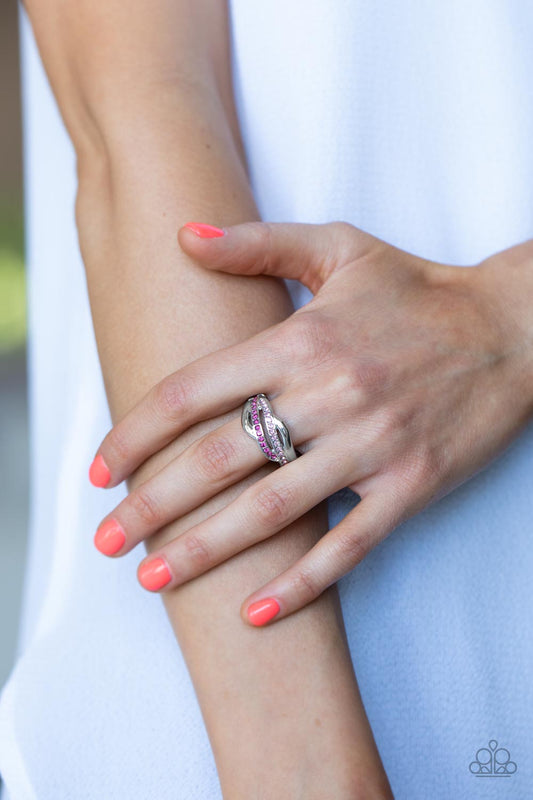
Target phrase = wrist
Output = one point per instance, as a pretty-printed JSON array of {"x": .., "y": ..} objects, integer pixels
[{"x": 505, "y": 281}]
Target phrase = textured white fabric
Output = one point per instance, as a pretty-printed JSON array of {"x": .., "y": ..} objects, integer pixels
[{"x": 413, "y": 121}]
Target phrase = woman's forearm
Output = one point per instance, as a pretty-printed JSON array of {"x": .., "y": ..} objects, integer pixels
[
  {"x": 154, "y": 312},
  {"x": 281, "y": 704}
]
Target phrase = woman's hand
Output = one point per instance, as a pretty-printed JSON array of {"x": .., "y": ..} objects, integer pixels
[{"x": 400, "y": 379}]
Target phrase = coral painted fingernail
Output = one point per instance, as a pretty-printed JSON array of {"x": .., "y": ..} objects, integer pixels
[
  {"x": 109, "y": 537},
  {"x": 154, "y": 574},
  {"x": 99, "y": 474},
  {"x": 205, "y": 231},
  {"x": 262, "y": 611}
]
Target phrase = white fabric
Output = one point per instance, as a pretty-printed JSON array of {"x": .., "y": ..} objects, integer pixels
[{"x": 413, "y": 121}]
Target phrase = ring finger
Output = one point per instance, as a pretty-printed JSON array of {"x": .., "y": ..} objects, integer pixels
[
  {"x": 207, "y": 466},
  {"x": 260, "y": 511}
]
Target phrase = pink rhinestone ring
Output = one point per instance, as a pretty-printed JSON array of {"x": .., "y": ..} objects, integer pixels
[{"x": 271, "y": 434}]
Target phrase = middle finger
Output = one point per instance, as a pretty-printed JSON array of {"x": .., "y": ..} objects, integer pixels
[
  {"x": 207, "y": 466},
  {"x": 261, "y": 510}
]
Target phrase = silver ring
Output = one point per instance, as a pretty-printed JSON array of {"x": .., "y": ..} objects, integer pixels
[{"x": 271, "y": 434}]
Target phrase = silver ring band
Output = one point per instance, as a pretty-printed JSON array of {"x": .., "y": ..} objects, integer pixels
[{"x": 271, "y": 434}]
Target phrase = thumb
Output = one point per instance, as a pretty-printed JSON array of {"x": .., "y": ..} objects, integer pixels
[{"x": 301, "y": 251}]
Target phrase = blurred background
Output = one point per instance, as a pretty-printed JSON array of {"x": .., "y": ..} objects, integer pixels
[{"x": 13, "y": 400}]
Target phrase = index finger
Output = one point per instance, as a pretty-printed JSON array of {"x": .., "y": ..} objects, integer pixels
[{"x": 207, "y": 387}]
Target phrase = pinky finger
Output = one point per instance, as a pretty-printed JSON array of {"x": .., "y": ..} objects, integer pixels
[{"x": 337, "y": 552}]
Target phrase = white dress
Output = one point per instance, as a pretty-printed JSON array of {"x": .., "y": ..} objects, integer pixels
[{"x": 413, "y": 121}]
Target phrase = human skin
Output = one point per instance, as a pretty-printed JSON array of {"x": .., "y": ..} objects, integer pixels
[
  {"x": 145, "y": 92},
  {"x": 401, "y": 379}
]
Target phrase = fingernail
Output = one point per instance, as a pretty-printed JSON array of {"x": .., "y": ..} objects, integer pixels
[
  {"x": 109, "y": 537},
  {"x": 99, "y": 474},
  {"x": 262, "y": 611},
  {"x": 203, "y": 230},
  {"x": 154, "y": 574}
]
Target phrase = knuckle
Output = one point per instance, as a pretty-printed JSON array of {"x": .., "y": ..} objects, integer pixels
[
  {"x": 341, "y": 235},
  {"x": 259, "y": 236},
  {"x": 265, "y": 235},
  {"x": 143, "y": 503},
  {"x": 420, "y": 477},
  {"x": 353, "y": 547},
  {"x": 370, "y": 374},
  {"x": 340, "y": 228},
  {"x": 173, "y": 396},
  {"x": 273, "y": 505},
  {"x": 309, "y": 340},
  {"x": 304, "y": 584},
  {"x": 389, "y": 422},
  {"x": 197, "y": 551},
  {"x": 115, "y": 447},
  {"x": 430, "y": 465},
  {"x": 260, "y": 232},
  {"x": 361, "y": 375},
  {"x": 214, "y": 457}
]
